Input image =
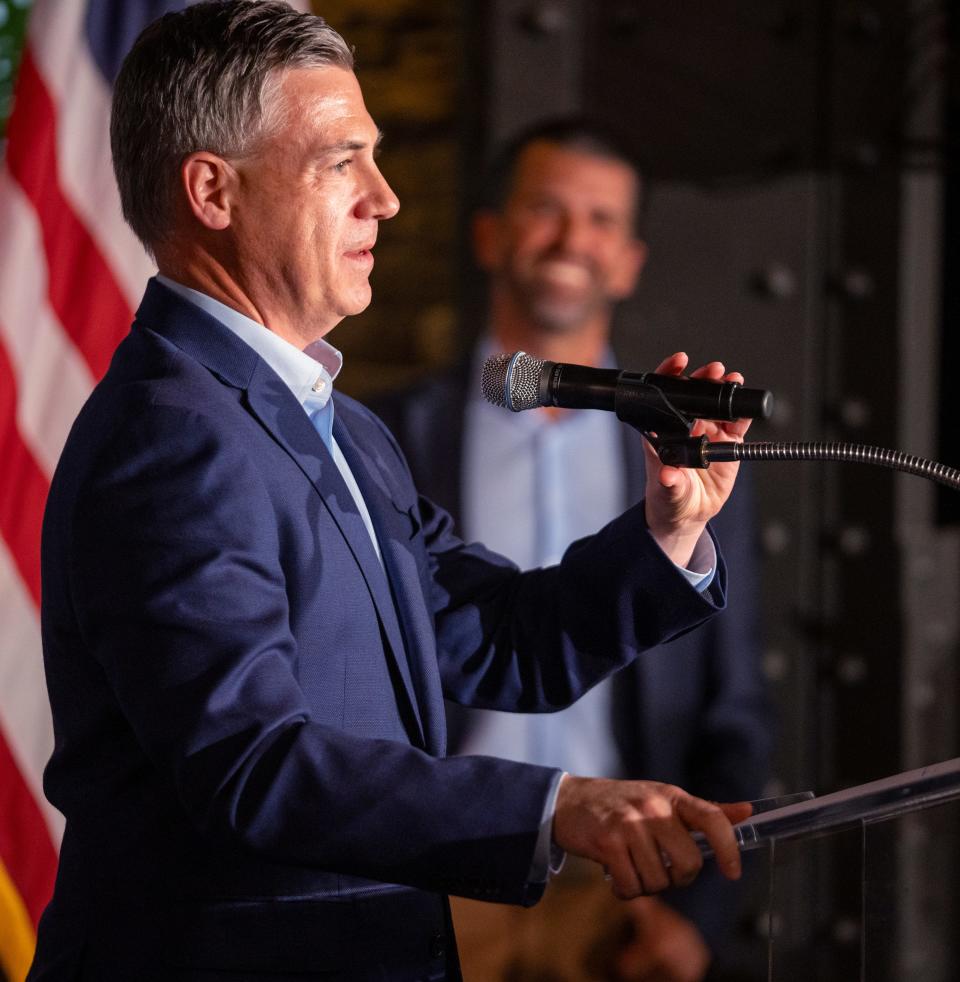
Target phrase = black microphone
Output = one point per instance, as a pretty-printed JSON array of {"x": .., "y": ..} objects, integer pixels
[{"x": 519, "y": 381}]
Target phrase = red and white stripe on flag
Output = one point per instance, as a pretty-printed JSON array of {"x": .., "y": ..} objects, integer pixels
[{"x": 71, "y": 275}]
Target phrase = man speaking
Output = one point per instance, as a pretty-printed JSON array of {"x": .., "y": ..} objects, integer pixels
[{"x": 251, "y": 619}]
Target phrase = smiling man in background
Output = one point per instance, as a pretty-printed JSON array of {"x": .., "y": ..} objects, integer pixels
[{"x": 558, "y": 236}]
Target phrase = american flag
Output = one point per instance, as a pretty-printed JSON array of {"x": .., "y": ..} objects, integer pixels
[{"x": 71, "y": 275}]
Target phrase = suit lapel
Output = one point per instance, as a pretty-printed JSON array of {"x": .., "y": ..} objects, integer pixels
[
  {"x": 395, "y": 523},
  {"x": 274, "y": 405}
]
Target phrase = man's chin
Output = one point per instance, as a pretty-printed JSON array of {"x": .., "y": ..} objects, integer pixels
[
  {"x": 347, "y": 307},
  {"x": 358, "y": 302},
  {"x": 559, "y": 318}
]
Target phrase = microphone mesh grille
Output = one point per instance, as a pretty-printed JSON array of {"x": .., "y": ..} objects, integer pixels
[
  {"x": 512, "y": 381},
  {"x": 493, "y": 379}
]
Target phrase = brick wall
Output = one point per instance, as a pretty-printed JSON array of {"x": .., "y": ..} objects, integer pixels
[{"x": 408, "y": 62}]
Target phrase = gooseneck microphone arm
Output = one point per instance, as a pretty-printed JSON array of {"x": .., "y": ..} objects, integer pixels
[
  {"x": 701, "y": 453},
  {"x": 668, "y": 405}
]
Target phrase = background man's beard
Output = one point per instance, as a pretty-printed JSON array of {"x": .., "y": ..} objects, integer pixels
[{"x": 559, "y": 316}]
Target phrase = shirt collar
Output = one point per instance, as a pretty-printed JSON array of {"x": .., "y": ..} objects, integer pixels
[{"x": 308, "y": 373}]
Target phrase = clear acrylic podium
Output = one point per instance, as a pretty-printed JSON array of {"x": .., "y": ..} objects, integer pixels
[{"x": 906, "y": 829}]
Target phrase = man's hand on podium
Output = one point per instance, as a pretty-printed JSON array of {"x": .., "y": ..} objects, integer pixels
[{"x": 639, "y": 831}]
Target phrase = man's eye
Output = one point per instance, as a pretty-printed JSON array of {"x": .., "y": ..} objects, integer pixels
[
  {"x": 542, "y": 208},
  {"x": 342, "y": 165}
]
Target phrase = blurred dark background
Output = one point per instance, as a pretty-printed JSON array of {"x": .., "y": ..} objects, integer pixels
[{"x": 803, "y": 224}]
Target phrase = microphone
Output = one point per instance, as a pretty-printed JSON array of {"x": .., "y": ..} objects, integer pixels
[{"x": 519, "y": 381}]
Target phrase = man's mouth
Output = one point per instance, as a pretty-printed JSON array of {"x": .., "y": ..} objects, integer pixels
[
  {"x": 564, "y": 273},
  {"x": 363, "y": 254}
]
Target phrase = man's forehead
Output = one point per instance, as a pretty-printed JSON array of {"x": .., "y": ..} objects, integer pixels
[
  {"x": 326, "y": 87},
  {"x": 542, "y": 165},
  {"x": 327, "y": 100},
  {"x": 544, "y": 155}
]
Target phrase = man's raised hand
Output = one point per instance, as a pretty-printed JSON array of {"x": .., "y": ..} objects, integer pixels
[{"x": 680, "y": 501}]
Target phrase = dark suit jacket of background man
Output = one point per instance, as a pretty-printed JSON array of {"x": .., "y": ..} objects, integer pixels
[
  {"x": 694, "y": 713},
  {"x": 249, "y": 707}
]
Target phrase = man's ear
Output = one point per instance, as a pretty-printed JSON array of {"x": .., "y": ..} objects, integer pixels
[
  {"x": 487, "y": 231},
  {"x": 628, "y": 270},
  {"x": 208, "y": 181}
]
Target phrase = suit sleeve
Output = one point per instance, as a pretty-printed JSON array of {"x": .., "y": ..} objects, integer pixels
[{"x": 537, "y": 641}]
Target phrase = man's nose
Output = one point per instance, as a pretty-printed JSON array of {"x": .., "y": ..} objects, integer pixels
[
  {"x": 573, "y": 233},
  {"x": 380, "y": 202}
]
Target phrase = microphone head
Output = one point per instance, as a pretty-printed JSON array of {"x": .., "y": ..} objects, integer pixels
[{"x": 512, "y": 381}]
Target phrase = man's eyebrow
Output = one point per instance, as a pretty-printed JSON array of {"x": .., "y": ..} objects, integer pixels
[{"x": 348, "y": 145}]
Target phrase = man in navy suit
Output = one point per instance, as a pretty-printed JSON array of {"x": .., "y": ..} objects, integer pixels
[
  {"x": 251, "y": 619},
  {"x": 558, "y": 237}
]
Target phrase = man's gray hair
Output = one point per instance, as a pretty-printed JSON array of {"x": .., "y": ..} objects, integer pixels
[{"x": 204, "y": 78}]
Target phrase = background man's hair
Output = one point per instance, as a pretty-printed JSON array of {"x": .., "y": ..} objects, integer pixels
[
  {"x": 204, "y": 78},
  {"x": 579, "y": 133}
]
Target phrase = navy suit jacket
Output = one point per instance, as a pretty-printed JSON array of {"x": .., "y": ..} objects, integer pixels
[
  {"x": 695, "y": 713},
  {"x": 248, "y": 706}
]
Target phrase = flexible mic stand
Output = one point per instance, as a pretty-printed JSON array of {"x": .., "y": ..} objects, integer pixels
[{"x": 668, "y": 431}]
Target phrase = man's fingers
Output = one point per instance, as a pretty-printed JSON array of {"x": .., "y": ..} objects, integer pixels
[
  {"x": 736, "y": 429},
  {"x": 678, "y": 849},
  {"x": 674, "y": 479},
  {"x": 713, "y": 369},
  {"x": 647, "y": 859},
  {"x": 678, "y": 361},
  {"x": 624, "y": 875},
  {"x": 736, "y": 811},
  {"x": 715, "y": 825},
  {"x": 675, "y": 848},
  {"x": 661, "y": 846},
  {"x": 673, "y": 365}
]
